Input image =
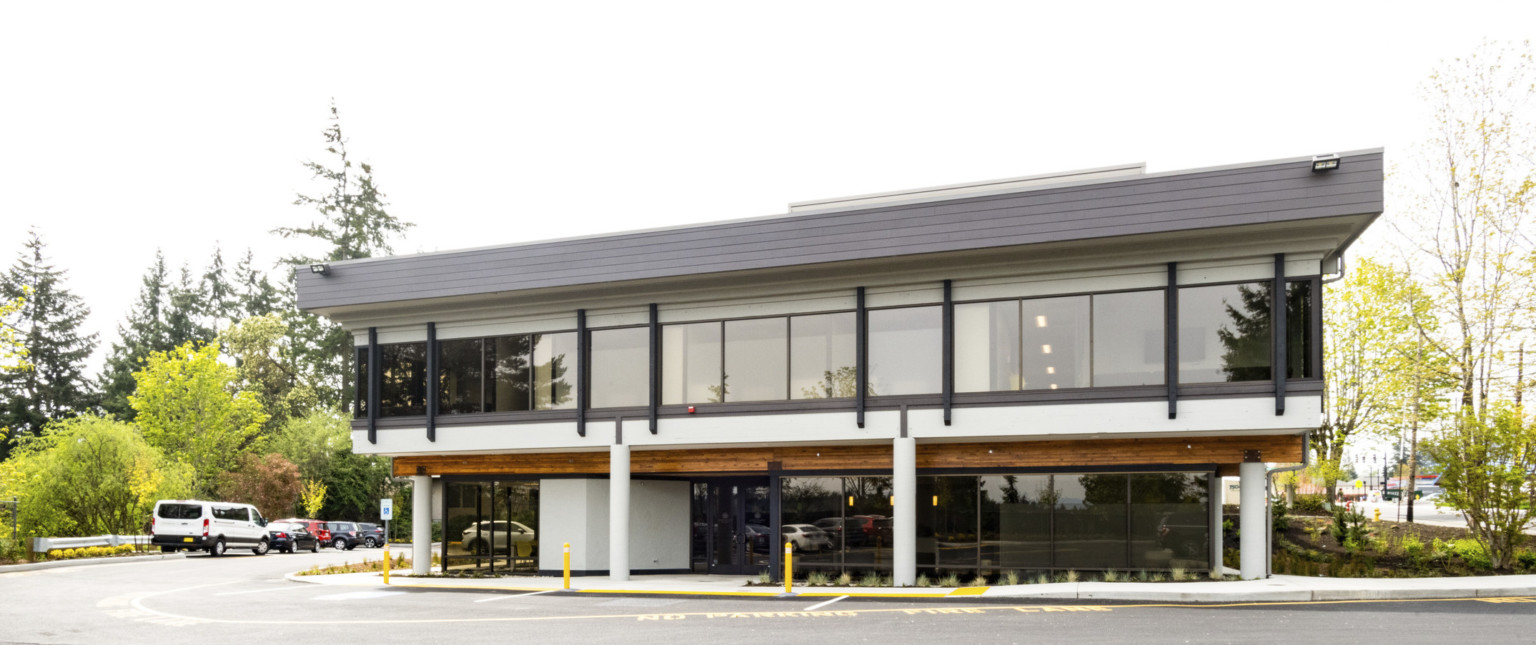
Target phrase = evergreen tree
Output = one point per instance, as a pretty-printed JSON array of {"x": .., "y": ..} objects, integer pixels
[
  {"x": 143, "y": 333},
  {"x": 254, "y": 293},
  {"x": 354, "y": 223},
  {"x": 187, "y": 312},
  {"x": 49, "y": 327},
  {"x": 220, "y": 301}
]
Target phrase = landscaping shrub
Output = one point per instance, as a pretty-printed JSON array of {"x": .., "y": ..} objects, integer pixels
[
  {"x": 1279, "y": 517},
  {"x": 1473, "y": 554},
  {"x": 1309, "y": 504},
  {"x": 1348, "y": 526},
  {"x": 1526, "y": 560}
]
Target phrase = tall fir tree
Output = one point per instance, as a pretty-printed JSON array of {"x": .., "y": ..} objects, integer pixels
[
  {"x": 140, "y": 335},
  {"x": 187, "y": 312},
  {"x": 254, "y": 293},
  {"x": 353, "y": 221},
  {"x": 221, "y": 303},
  {"x": 55, "y": 387}
]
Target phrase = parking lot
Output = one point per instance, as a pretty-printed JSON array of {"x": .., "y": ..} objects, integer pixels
[{"x": 241, "y": 596}]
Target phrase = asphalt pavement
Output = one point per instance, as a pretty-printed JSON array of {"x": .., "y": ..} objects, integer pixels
[{"x": 243, "y": 597}]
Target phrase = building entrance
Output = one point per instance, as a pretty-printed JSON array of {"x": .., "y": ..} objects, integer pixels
[{"x": 732, "y": 531}]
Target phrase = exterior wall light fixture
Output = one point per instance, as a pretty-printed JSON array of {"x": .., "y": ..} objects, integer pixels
[
  {"x": 1325, "y": 163},
  {"x": 320, "y": 268}
]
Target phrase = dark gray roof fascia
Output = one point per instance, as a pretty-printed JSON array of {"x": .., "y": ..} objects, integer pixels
[{"x": 1222, "y": 196}]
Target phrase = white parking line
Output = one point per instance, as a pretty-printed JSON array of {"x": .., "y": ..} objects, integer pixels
[
  {"x": 819, "y": 605},
  {"x": 520, "y": 595}
]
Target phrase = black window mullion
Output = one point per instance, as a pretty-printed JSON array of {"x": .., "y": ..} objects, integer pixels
[
  {"x": 433, "y": 367},
  {"x": 1277, "y": 333},
  {"x": 861, "y": 360},
  {"x": 1171, "y": 339},
  {"x": 947, "y": 330},
  {"x": 582, "y": 353},
  {"x": 373, "y": 384}
]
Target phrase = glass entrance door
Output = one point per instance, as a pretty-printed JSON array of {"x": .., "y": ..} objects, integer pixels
[{"x": 731, "y": 525}]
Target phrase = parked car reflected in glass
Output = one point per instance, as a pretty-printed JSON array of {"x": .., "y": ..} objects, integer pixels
[
  {"x": 805, "y": 537},
  {"x": 481, "y": 538}
]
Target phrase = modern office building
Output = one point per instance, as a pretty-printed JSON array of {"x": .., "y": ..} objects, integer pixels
[{"x": 1035, "y": 374}]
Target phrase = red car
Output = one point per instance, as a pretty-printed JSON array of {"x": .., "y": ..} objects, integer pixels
[{"x": 316, "y": 527}]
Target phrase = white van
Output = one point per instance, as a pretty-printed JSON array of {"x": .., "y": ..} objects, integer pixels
[{"x": 215, "y": 527}]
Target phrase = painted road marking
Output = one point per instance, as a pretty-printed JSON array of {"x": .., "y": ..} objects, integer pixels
[
  {"x": 290, "y": 587},
  {"x": 359, "y": 595},
  {"x": 143, "y": 613},
  {"x": 819, "y": 605},
  {"x": 519, "y": 595}
]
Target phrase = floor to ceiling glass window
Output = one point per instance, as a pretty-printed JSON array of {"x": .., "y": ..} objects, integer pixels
[
  {"x": 1015, "y": 521},
  {"x": 822, "y": 354},
  {"x": 1056, "y": 334},
  {"x": 1170, "y": 522},
  {"x": 756, "y": 360},
  {"x": 1020, "y": 522},
  {"x": 905, "y": 350},
  {"x": 490, "y": 527},
  {"x": 1090, "y": 521},
  {"x": 360, "y": 392},
  {"x": 987, "y": 346},
  {"x": 554, "y": 371},
  {"x": 462, "y": 376},
  {"x": 691, "y": 364},
  {"x": 1298, "y": 330},
  {"x": 402, "y": 379},
  {"x": 1225, "y": 333},
  {"x": 1128, "y": 343},
  {"x": 620, "y": 366},
  {"x": 507, "y": 377},
  {"x": 817, "y": 502}
]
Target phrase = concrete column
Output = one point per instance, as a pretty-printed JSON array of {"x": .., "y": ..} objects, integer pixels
[
  {"x": 904, "y": 514},
  {"x": 1254, "y": 521},
  {"x": 1218, "y": 547},
  {"x": 618, "y": 512},
  {"x": 421, "y": 525}
]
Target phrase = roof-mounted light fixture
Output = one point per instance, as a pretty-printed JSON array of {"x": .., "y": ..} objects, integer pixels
[
  {"x": 1325, "y": 163},
  {"x": 320, "y": 268}
]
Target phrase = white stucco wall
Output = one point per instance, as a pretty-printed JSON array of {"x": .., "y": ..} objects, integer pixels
[{"x": 576, "y": 511}]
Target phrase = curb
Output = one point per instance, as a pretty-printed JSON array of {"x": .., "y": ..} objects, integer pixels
[{"x": 58, "y": 564}]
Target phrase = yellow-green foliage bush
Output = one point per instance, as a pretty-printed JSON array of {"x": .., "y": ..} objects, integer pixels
[{"x": 55, "y": 554}]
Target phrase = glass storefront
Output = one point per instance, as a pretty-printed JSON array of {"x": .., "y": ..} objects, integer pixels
[
  {"x": 993, "y": 523},
  {"x": 490, "y": 527}
]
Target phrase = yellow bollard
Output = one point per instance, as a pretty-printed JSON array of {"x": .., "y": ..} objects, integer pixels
[
  {"x": 386, "y": 563},
  {"x": 1378, "y": 515},
  {"x": 567, "y": 565},
  {"x": 789, "y": 566}
]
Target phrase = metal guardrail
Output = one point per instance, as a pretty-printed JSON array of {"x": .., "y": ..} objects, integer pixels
[{"x": 43, "y": 545}]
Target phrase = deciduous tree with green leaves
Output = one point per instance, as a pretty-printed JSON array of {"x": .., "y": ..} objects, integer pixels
[
  {"x": 91, "y": 475},
  {"x": 1369, "y": 355},
  {"x": 189, "y": 407},
  {"x": 1469, "y": 199},
  {"x": 266, "y": 366}
]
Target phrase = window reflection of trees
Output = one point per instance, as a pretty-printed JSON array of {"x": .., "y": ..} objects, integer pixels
[{"x": 1246, "y": 339}]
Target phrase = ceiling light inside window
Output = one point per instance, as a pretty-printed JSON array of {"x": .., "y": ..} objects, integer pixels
[
  {"x": 1045, "y": 349},
  {"x": 1050, "y": 370},
  {"x": 1039, "y": 321},
  {"x": 1053, "y": 386}
]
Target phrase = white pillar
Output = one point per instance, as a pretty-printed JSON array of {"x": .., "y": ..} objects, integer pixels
[
  {"x": 904, "y": 514},
  {"x": 421, "y": 525},
  {"x": 618, "y": 512},
  {"x": 1254, "y": 520}
]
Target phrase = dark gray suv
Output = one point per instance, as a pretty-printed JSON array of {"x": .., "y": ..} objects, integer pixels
[
  {"x": 344, "y": 535},
  {"x": 373, "y": 534}
]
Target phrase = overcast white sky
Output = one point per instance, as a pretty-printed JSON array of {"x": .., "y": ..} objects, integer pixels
[{"x": 130, "y": 126}]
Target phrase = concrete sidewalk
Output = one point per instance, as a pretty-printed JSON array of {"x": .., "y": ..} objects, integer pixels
[{"x": 1274, "y": 589}]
